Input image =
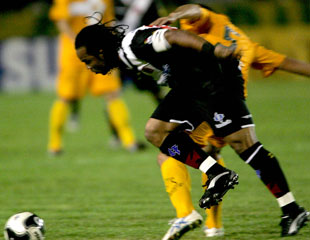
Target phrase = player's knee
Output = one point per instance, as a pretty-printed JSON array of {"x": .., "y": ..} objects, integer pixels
[
  {"x": 161, "y": 158},
  {"x": 153, "y": 134},
  {"x": 241, "y": 140},
  {"x": 212, "y": 150}
]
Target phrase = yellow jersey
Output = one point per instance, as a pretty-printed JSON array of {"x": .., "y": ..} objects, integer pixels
[
  {"x": 76, "y": 11},
  {"x": 217, "y": 28}
]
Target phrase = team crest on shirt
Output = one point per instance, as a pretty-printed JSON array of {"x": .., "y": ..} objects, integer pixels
[
  {"x": 219, "y": 117},
  {"x": 174, "y": 150}
]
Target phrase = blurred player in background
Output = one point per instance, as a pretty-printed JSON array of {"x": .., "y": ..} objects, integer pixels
[
  {"x": 74, "y": 80},
  {"x": 217, "y": 28}
]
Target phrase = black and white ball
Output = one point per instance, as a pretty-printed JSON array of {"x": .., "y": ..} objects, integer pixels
[{"x": 25, "y": 226}]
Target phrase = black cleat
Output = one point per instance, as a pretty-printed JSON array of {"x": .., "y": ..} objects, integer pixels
[
  {"x": 218, "y": 185},
  {"x": 291, "y": 224}
]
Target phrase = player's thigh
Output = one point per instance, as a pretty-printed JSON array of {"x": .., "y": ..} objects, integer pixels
[
  {"x": 174, "y": 111},
  {"x": 228, "y": 114},
  {"x": 178, "y": 107},
  {"x": 72, "y": 75},
  {"x": 157, "y": 130}
]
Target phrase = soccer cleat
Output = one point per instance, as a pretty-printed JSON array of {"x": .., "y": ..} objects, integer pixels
[
  {"x": 218, "y": 185},
  {"x": 214, "y": 232},
  {"x": 115, "y": 142},
  {"x": 291, "y": 224},
  {"x": 136, "y": 147},
  {"x": 180, "y": 226},
  {"x": 54, "y": 153},
  {"x": 73, "y": 124}
]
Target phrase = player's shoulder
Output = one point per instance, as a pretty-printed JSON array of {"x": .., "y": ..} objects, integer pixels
[{"x": 143, "y": 35}]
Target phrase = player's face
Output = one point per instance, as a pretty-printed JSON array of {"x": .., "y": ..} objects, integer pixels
[{"x": 94, "y": 63}]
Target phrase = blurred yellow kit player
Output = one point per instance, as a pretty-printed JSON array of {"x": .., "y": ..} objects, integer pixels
[
  {"x": 215, "y": 28},
  {"x": 74, "y": 80}
]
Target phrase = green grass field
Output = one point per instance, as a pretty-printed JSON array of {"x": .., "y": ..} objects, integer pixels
[{"x": 94, "y": 192}]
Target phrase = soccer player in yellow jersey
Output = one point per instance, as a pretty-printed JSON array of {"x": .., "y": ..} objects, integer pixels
[
  {"x": 74, "y": 80},
  {"x": 215, "y": 28}
]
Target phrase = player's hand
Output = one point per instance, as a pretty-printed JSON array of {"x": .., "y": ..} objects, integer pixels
[
  {"x": 222, "y": 51},
  {"x": 164, "y": 20}
]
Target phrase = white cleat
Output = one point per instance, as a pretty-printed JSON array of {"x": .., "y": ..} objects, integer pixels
[
  {"x": 73, "y": 125},
  {"x": 180, "y": 226},
  {"x": 214, "y": 232}
]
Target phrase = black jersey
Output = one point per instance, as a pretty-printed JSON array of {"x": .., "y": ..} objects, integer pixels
[{"x": 145, "y": 48}]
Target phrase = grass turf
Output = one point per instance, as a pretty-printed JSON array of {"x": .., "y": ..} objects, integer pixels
[{"x": 95, "y": 192}]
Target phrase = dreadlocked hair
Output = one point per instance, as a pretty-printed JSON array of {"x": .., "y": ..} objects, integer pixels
[{"x": 101, "y": 37}]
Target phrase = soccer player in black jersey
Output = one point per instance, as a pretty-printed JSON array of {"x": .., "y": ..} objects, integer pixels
[{"x": 206, "y": 86}]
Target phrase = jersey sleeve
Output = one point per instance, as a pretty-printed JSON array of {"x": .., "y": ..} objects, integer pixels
[
  {"x": 267, "y": 60},
  {"x": 198, "y": 26},
  {"x": 59, "y": 10},
  {"x": 147, "y": 43}
]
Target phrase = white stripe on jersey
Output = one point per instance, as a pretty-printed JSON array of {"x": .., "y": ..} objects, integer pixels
[
  {"x": 159, "y": 42},
  {"x": 125, "y": 50}
]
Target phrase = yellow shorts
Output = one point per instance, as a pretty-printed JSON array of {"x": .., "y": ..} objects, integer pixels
[
  {"x": 75, "y": 80},
  {"x": 203, "y": 135}
]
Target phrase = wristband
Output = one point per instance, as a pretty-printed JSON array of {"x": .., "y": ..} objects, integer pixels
[{"x": 207, "y": 48}]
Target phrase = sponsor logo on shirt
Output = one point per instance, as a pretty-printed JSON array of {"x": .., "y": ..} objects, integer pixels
[{"x": 219, "y": 117}]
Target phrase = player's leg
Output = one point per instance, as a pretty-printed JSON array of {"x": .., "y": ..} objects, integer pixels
[
  {"x": 178, "y": 186},
  {"x": 213, "y": 224},
  {"x": 70, "y": 87},
  {"x": 119, "y": 117},
  {"x": 109, "y": 86},
  {"x": 74, "y": 117},
  {"x": 168, "y": 134},
  {"x": 268, "y": 169},
  {"x": 233, "y": 121},
  {"x": 177, "y": 182},
  {"x": 57, "y": 119},
  {"x": 204, "y": 136}
]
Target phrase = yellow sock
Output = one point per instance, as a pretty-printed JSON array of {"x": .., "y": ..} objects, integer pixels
[
  {"x": 119, "y": 117},
  {"x": 177, "y": 183},
  {"x": 58, "y": 116},
  {"x": 214, "y": 214}
]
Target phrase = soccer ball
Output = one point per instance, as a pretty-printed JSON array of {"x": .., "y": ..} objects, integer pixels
[{"x": 25, "y": 226}]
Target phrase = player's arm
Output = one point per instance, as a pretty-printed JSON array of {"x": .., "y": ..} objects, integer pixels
[
  {"x": 187, "y": 39},
  {"x": 60, "y": 13},
  {"x": 295, "y": 66},
  {"x": 64, "y": 27},
  {"x": 191, "y": 12}
]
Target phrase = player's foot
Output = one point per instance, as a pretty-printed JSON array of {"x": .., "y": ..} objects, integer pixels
[
  {"x": 136, "y": 147},
  {"x": 218, "y": 185},
  {"x": 73, "y": 124},
  {"x": 214, "y": 232},
  {"x": 180, "y": 226},
  {"x": 54, "y": 153},
  {"x": 291, "y": 224},
  {"x": 115, "y": 142}
]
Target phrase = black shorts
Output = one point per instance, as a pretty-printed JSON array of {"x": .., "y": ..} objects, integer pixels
[{"x": 226, "y": 114}]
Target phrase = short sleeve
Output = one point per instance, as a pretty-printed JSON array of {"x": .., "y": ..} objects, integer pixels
[
  {"x": 267, "y": 60},
  {"x": 59, "y": 10},
  {"x": 198, "y": 26}
]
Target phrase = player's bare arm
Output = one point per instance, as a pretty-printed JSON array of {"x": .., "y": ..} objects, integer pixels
[
  {"x": 295, "y": 66},
  {"x": 188, "y": 11},
  {"x": 64, "y": 27},
  {"x": 189, "y": 40}
]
